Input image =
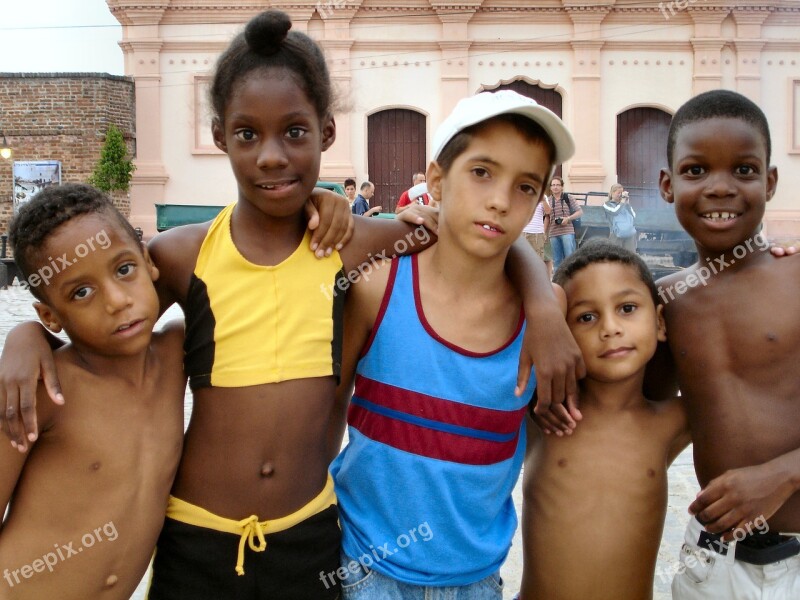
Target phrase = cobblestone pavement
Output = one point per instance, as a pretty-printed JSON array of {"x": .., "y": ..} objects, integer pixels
[{"x": 15, "y": 307}]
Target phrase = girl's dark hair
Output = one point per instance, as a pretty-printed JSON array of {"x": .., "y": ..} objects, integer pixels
[
  {"x": 268, "y": 43},
  {"x": 531, "y": 130},
  {"x": 48, "y": 210},
  {"x": 602, "y": 251}
]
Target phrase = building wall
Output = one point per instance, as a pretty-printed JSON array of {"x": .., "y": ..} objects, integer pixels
[
  {"x": 603, "y": 57},
  {"x": 61, "y": 116}
]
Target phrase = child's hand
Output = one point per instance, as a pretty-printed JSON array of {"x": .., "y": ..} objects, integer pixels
[
  {"x": 549, "y": 345},
  {"x": 559, "y": 419},
  {"x": 740, "y": 496},
  {"x": 330, "y": 219},
  {"x": 417, "y": 214},
  {"x": 784, "y": 247},
  {"x": 26, "y": 358}
]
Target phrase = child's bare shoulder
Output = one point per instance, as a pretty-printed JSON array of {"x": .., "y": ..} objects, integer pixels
[{"x": 672, "y": 421}]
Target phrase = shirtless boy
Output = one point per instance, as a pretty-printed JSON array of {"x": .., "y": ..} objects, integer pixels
[
  {"x": 595, "y": 501},
  {"x": 87, "y": 500},
  {"x": 733, "y": 328}
]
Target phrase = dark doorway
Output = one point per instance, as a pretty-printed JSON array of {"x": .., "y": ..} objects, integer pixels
[
  {"x": 396, "y": 149},
  {"x": 642, "y": 153}
]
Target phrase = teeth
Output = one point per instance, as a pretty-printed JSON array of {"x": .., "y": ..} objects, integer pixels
[
  {"x": 487, "y": 227},
  {"x": 720, "y": 215}
]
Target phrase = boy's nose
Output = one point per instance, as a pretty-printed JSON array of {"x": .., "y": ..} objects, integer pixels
[
  {"x": 610, "y": 326},
  {"x": 499, "y": 200},
  {"x": 720, "y": 185},
  {"x": 117, "y": 298}
]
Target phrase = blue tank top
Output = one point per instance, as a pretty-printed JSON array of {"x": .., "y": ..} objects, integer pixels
[{"x": 436, "y": 443}]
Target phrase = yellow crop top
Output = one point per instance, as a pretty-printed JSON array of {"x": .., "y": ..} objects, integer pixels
[{"x": 248, "y": 324}]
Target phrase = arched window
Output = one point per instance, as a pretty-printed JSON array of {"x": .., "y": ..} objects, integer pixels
[{"x": 642, "y": 153}]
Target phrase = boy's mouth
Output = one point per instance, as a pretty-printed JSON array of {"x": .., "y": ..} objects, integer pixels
[
  {"x": 617, "y": 352},
  {"x": 491, "y": 227},
  {"x": 276, "y": 185},
  {"x": 130, "y": 328},
  {"x": 720, "y": 217}
]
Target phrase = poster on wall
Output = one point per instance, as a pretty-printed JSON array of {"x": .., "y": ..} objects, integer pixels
[{"x": 33, "y": 176}]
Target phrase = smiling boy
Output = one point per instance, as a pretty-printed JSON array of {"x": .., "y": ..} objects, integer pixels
[
  {"x": 87, "y": 499},
  {"x": 595, "y": 501},
  {"x": 735, "y": 344}
]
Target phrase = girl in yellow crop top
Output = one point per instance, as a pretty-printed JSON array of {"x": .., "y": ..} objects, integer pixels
[{"x": 264, "y": 338}]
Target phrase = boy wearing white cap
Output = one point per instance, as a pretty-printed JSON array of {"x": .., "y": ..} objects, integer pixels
[{"x": 436, "y": 445}]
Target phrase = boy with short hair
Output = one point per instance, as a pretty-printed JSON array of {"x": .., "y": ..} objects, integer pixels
[
  {"x": 733, "y": 324},
  {"x": 595, "y": 501},
  {"x": 436, "y": 444},
  {"x": 87, "y": 500}
]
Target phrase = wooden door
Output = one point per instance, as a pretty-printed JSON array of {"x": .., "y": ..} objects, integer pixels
[
  {"x": 549, "y": 98},
  {"x": 396, "y": 149},
  {"x": 642, "y": 153}
]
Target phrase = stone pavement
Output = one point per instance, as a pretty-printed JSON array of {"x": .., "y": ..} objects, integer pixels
[{"x": 15, "y": 307}]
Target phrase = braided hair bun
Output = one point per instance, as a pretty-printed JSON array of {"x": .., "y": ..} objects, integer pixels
[{"x": 266, "y": 32}]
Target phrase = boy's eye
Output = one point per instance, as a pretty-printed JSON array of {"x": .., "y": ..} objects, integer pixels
[
  {"x": 628, "y": 308},
  {"x": 296, "y": 132},
  {"x": 586, "y": 318},
  {"x": 695, "y": 170},
  {"x": 126, "y": 269},
  {"x": 529, "y": 189},
  {"x": 81, "y": 293},
  {"x": 245, "y": 135},
  {"x": 480, "y": 172},
  {"x": 745, "y": 170}
]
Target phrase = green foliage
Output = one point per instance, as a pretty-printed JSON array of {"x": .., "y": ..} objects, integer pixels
[{"x": 113, "y": 171}]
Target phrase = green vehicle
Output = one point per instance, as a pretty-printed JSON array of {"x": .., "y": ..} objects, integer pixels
[{"x": 174, "y": 215}]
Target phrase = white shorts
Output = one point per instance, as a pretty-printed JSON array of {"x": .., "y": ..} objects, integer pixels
[{"x": 705, "y": 574}]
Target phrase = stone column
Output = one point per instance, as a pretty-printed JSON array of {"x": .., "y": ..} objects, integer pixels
[
  {"x": 748, "y": 46},
  {"x": 141, "y": 45},
  {"x": 707, "y": 43},
  {"x": 586, "y": 170}
]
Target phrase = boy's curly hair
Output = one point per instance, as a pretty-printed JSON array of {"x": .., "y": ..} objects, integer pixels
[
  {"x": 38, "y": 219},
  {"x": 602, "y": 251}
]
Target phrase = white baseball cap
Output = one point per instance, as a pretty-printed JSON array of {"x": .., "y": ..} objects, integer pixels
[{"x": 484, "y": 106}]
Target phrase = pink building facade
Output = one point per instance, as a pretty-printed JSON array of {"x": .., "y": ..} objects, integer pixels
[{"x": 616, "y": 71}]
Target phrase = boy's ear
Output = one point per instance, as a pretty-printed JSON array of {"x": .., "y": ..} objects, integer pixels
[
  {"x": 661, "y": 324},
  {"x": 433, "y": 177},
  {"x": 151, "y": 266},
  {"x": 665, "y": 185},
  {"x": 47, "y": 317},
  {"x": 328, "y": 132},
  {"x": 772, "y": 182},
  {"x": 218, "y": 133}
]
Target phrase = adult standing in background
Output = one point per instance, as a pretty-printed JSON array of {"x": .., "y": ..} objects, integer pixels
[
  {"x": 361, "y": 204},
  {"x": 350, "y": 191},
  {"x": 621, "y": 218},
  {"x": 535, "y": 233},
  {"x": 405, "y": 200},
  {"x": 562, "y": 232}
]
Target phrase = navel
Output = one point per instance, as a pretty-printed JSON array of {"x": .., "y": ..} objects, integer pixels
[
  {"x": 651, "y": 472},
  {"x": 771, "y": 337},
  {"x": 95, "y": 466},
  {"x": 562, "y": 462},
  {"x": 111, "y": 581},
  {"x": 267, "y": 469}
]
